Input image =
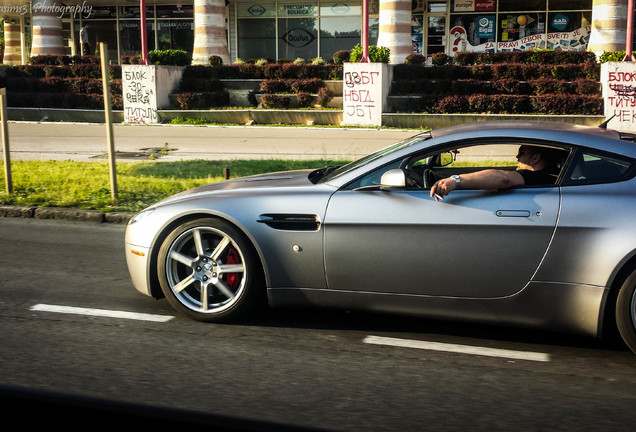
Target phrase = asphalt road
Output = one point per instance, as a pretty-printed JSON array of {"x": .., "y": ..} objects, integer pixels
[
  {"x": 88, "y": 142},
  {"x": 305, "y": 369}
]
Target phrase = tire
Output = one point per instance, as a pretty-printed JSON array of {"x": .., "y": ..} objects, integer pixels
[
  {"x": 626, "y": 311},
  {"x": 209, "y": 271}
]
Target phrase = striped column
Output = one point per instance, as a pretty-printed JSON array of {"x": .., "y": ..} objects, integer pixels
[
  {"x": 47, "y": 30},
  {"x": 12, "y": 43},
  {"x": 209, "y": 31},
  {"x": 609, "y": 23},
  {"x": 395, "y": 28}
]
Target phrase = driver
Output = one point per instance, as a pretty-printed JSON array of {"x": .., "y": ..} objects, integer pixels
[{"x": 532, "y": 165}]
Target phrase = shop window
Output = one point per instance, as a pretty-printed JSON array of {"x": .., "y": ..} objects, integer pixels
[
  {"x": 103, "y": 31},
  {"x": 479, "y": 28},
  {"x": 297, "y": 30},
  {"x": 569, "y": 4},
  {"x": 522, "y": 5},
  {"x": 513, "y": 27},
  {"x": 178, "y": 11},
  {"x": 568, "y": 21},
  {"x": 175, "y": 34},
  {"x": 257, "y": 38},
  {"x": 130, "y": 36},
  {"x": 336, "y": 34}
]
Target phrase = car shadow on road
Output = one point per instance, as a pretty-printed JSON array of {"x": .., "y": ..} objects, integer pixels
[{"x": 409, "y": 327}]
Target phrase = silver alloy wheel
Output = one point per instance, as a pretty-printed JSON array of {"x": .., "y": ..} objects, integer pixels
[{"x": 205, "y": 269}]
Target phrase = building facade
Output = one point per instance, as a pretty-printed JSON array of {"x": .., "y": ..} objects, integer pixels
[{"x": 287, "y": 29}]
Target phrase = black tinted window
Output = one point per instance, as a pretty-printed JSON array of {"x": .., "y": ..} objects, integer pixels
[{"x": 588, "y": 168}]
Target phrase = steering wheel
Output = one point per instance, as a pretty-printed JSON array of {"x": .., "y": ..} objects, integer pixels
[{"x": 429, "y": 178}]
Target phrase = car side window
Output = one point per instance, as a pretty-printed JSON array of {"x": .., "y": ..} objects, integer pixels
[{"x": 591, "y": 168}]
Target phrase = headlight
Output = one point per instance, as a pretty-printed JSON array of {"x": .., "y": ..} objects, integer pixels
[{"x": 140, "y": 216}]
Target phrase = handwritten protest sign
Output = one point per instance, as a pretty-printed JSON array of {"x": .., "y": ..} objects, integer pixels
[
  {"x": 364, "y": 91},
  {"x": 619, "y": 92},
  {"x": 139, "y": 87}
]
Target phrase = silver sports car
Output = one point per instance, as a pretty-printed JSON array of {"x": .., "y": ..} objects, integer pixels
[{"x": 557, "y": 253}]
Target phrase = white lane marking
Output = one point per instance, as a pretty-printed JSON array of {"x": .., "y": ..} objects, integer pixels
[
  {"x": 101, "y": 313},
  {"x": 462, "y": 349}
]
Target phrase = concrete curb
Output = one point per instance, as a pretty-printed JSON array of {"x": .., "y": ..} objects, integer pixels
[{"x": 61, "y": 213}]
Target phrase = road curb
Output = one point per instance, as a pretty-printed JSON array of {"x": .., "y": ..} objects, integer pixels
[{"x": 61, "y": 213}]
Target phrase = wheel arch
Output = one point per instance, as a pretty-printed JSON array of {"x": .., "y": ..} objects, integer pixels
[
  {"x": 608, "y": 319},
  {"x": 155, "y": 288}
]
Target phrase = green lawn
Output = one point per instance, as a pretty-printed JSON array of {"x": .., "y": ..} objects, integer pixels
[{"x": 86, "y": 185}]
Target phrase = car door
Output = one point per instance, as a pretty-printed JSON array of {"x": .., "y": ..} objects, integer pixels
[{"x": 478, "y": 244}]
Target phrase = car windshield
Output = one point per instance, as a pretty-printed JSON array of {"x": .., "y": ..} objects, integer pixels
[{"x": 324, "y": 175}]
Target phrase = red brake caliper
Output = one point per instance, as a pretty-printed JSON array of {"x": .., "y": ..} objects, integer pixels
[{"x": 233, "y": 279}]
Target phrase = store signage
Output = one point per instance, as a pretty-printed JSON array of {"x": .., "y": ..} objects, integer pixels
[
  {"x": 474, "y": 5},
  {"x": 484, "y": 5},
  {"x": 464, "y": 6},
  {"x": 486, "y": 28},
  {"x": 560, "y": 22},
  {"x": 298, "y": 10},
  {"x": 256, "y": 10},
  {"x": 298, "y": 37},
  {"x": 340, "y": 8}
]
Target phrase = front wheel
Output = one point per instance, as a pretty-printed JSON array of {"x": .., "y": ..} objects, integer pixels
[
  {"x": 626, "y": 311},
  {"x": 209, "y": 271}
]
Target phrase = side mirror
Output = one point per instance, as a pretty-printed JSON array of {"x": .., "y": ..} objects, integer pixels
[
  {"x": 446, "y": 159},
  {"x": 393, "y": 179}
]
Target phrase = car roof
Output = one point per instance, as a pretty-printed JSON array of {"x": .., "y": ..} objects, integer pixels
[{"x": 588, "y": 136}]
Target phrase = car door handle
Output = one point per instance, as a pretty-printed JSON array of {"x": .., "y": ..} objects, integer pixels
[{"x": 513, "y": 213}]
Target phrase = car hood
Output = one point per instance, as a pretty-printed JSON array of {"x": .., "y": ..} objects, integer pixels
[{"x": 272, "y": 180}]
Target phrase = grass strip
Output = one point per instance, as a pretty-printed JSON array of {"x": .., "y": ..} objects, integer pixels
[{"x": 86, "y": 185}]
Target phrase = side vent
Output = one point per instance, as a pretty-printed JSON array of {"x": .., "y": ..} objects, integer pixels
[{"x": 291, "y": 222}]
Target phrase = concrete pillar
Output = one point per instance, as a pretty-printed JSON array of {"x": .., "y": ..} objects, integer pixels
[
  {"x": 209, "y": 31},
  {"x": 395, "y": 28},
  {"x": 609, "y": 24},
  {"x": 47, "y": 30},
  {"x": 12, "y": 42}
]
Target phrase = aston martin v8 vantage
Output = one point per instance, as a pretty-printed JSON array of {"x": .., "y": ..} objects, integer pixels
[{"x": 559, "y": 254}]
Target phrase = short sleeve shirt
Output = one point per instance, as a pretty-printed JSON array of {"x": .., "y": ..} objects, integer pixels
[{"x": 537, "y": 178}]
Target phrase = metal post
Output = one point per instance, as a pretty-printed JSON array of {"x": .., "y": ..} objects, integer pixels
[
  {"x": 144, "y": 31},
  {"x": 103, "y": 51},
  {"x": 365, "y": 32},
  {"x": 5, "y": 140},
  {"x": 630, "y": 31}
]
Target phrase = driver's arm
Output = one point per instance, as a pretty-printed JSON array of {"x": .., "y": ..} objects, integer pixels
[{"x": 490, "y": 179}]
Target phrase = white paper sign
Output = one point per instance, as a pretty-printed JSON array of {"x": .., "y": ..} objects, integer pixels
[
  {"x": 139, "y": 86},
  {"x": 364, "y": 90},
  {"x": 619, "y": 92}
]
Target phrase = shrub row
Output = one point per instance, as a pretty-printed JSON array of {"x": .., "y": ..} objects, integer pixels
[
  {"x": 203, "y": 100},
  {"x": 81, "y": 70},
  {"x": 60, "y": 85},
  {"x": 581, "y": 86},
  {"x": 311, "y": 85},
  {"x": 557, "y": 104},
  {"x": 268, "y": 71},
  {"x": 62, "y": 100},
  {"x": 518, "y": 71},
  {"x": 526, "y": 57},
  {"x": 303, "y": 99}
]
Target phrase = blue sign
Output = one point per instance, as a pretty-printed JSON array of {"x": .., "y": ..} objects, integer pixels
[
  {"x": 560, "y": 21},
  {"x": 486, "y": 26}
]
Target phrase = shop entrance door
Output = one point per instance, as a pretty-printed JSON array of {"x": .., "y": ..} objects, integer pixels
[{"x": 435, "y": 34}]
